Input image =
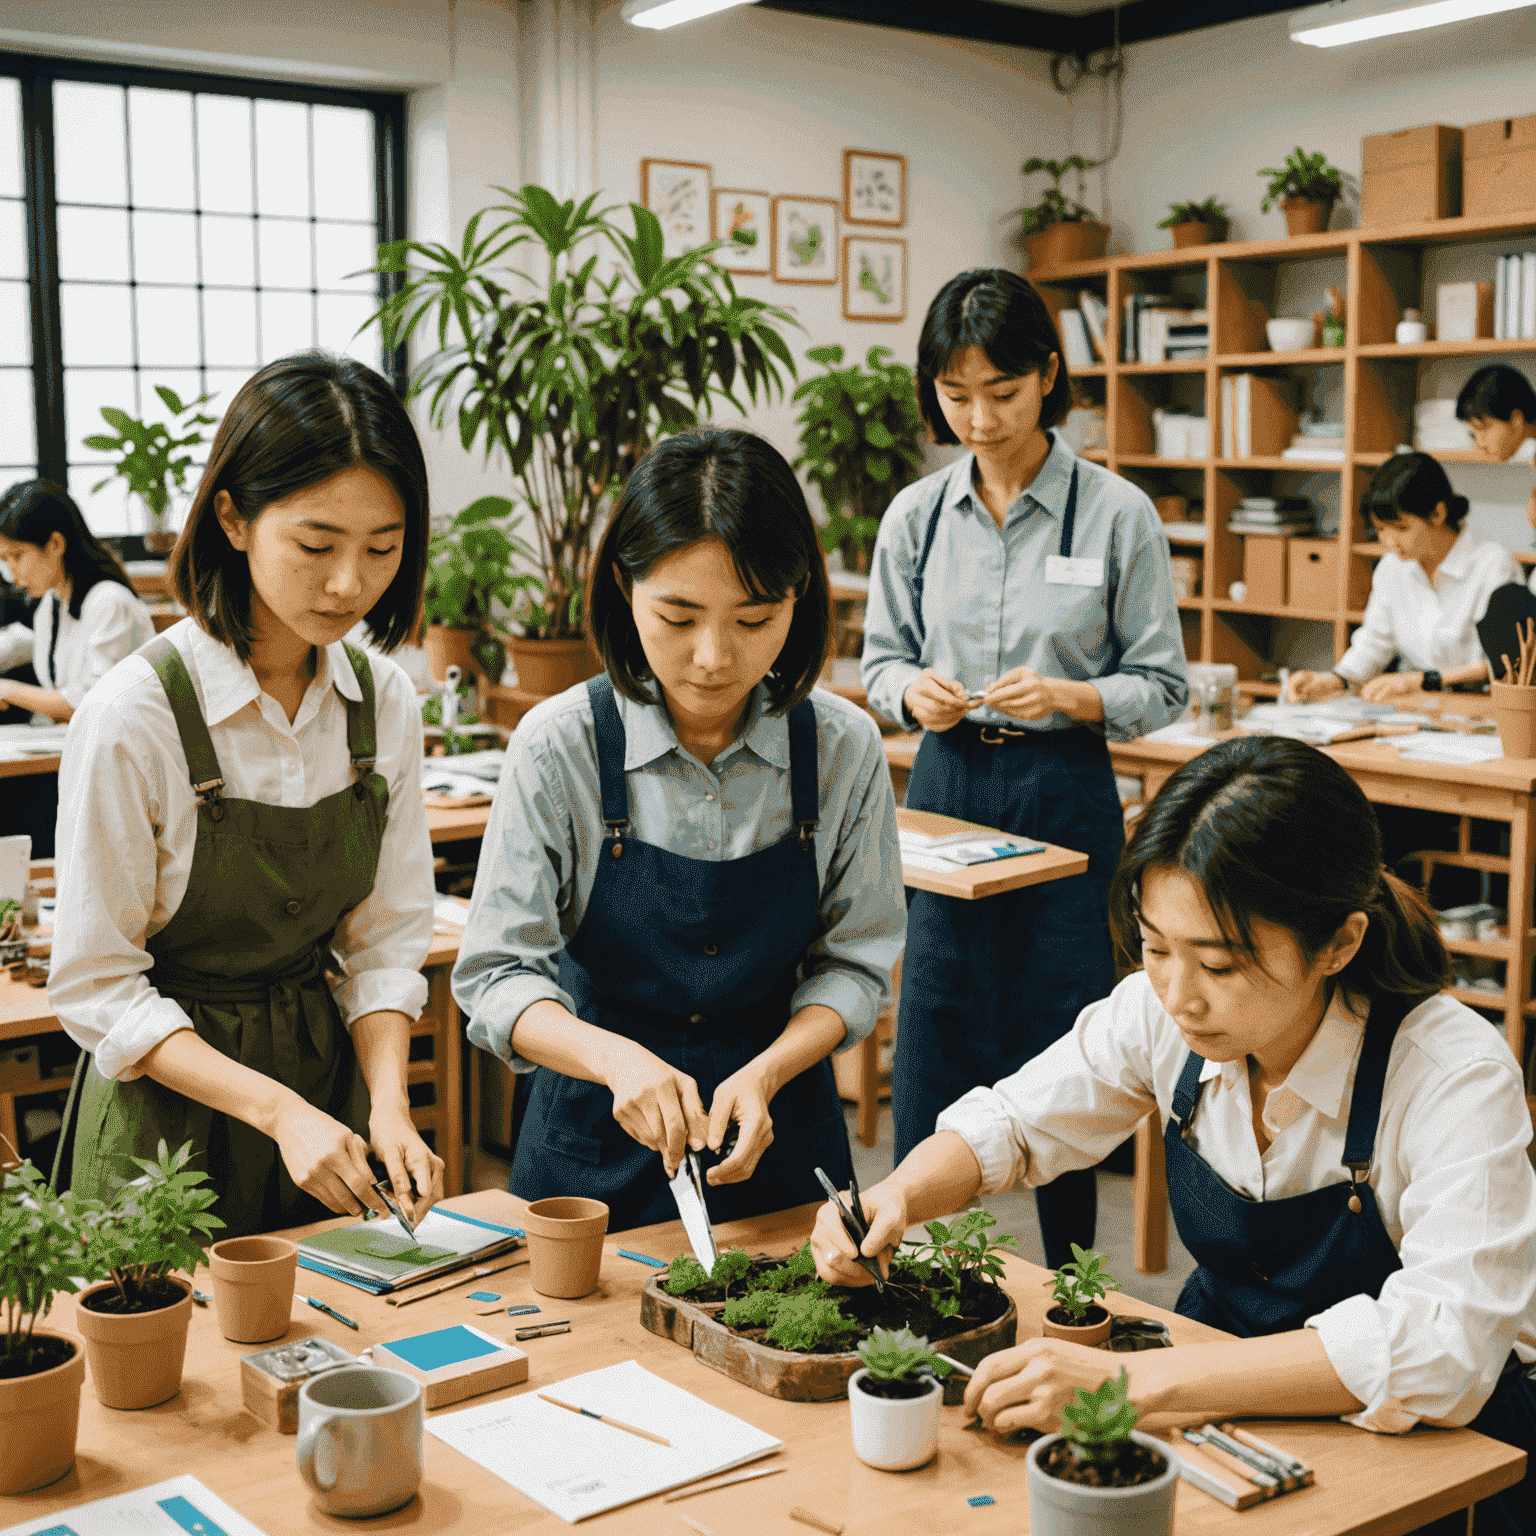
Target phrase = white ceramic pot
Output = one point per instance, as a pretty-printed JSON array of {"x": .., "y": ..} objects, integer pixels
[
  {"x": 1058, "y": 1508},
  {"x": 1288, "y": 335},
  {"x": 894, "y": 1434}
]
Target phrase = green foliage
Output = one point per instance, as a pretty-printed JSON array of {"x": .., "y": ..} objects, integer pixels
[
  {"x": 1082, "y": 1282},
  {"x": 685, "y": 1274},
  {"x": 10, "y": 918},
  {"x": 730, "y": 1267},
  {"x": 897, "y": 1354},
  {"x": 1100, "y": 1422},
  {"x": 861, "y": 437},
  {"x": 151, "y": 456},
  {"x": 805, "y": 1322},
  {"x": 1054, "y": 207},
  {"x": 572, "y": 375},
  {"x": 1209, "y": 212},
  {"x": 40, "y": 1254},
  {"x": 1302, "y": 175},
  {"x": 469, "y": 566},
  {"x": 432, "y": 714},
  {"x": 752, "y": 1310},
  {"x": 954, "y": 1252},
  {"x": 799, "y": 1266}
]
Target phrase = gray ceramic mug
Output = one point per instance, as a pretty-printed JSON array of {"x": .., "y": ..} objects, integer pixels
[{"x": 360, "y": 1432}]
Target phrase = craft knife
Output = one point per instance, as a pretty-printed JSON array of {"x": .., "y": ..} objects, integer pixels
[{"x": 687, "y": 1186}]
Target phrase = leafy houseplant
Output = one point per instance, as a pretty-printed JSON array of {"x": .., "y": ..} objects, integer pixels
[
  {"x": 894, "y": 1400},
  {"x": 1196, "y": 223},
  {"x": 1058, "y": 228},
  {"x": 1306, "y": 187},
  {"x": 154, "y": 457},
  {"x": 861, "y": 438},
  {"x": 1076, "y": 1291}
]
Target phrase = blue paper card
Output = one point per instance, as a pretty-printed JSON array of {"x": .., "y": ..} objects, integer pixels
[
  {"x": 483, "y": 1296},
  {"x": 190, "y": 1519},
  {"x": 444, "y": 1346}
]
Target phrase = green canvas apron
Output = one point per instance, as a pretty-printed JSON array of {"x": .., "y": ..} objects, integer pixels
[{"x": 246, "y": 955}]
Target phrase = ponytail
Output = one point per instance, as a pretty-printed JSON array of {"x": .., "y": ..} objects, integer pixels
[{"x": 1402, "y": 950}]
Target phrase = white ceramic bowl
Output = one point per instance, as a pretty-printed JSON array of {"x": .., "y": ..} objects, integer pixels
[{"x": 1288, "y": 335}]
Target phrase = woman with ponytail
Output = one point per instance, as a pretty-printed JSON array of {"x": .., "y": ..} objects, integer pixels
[{"x": 1346, "y": 1144}]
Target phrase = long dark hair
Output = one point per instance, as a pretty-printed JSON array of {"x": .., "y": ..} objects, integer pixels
[
  {"x": 714, "y": 483},
  {"x": 32, "y": 511},
  {"x": 1275, "y": 831},
  {"x": 297, "y": 422},
  {"x": 1412, "y": 485}
]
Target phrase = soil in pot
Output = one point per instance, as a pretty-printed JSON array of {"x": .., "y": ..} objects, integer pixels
[
  {"x": 154, "y": 1295},
  {"x": 875, "y": 1387},
  {"x": 47, "y": 1351},
  {"x": 1136, "y": 1464}
]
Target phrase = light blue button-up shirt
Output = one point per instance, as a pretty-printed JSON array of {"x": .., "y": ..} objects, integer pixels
[
  {"x": 545, "y": 834},
  {"x": 987, "y": 606}
]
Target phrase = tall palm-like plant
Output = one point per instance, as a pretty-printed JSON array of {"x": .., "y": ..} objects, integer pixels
[{"x": 574, "y": 372}]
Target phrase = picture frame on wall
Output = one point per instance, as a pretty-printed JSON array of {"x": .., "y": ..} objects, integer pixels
[
  {"x": 805, "y": 245},
  {"x": 874, "y": 188},
  {"x": 677, "y": 192},
  {"x": 874, "y": 277},
  {"x": 743, "y": 223}
]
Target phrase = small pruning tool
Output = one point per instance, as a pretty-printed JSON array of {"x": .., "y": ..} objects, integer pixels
[{"x": 855, "y": 1223}]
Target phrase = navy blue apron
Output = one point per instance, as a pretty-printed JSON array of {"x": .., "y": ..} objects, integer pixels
[
  {"x": 988, "y": 985},
  {"x": 1265, "y": 1266},
  {"x": 697, "y": 961}
]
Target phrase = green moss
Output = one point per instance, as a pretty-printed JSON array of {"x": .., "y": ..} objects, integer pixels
[
  {"x": 804, "y": 1322},
  {"x": 685, "y": 1274},
  {"x": 752, "y": 1310}
]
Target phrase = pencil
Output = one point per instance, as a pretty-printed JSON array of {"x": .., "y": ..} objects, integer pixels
[
  {"x": 703, "y": 1530},
  {"x": 451, "y": 1285},
  {"x": 710, "y": 1484},
  {"x": 810, "y": 1517},
  {"x": 603, "y": 1418}
]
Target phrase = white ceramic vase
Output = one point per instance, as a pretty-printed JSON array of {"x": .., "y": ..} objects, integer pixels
[
  {"x": 1058, "y": 1508},
  {"x": 894, "y": 1434}
]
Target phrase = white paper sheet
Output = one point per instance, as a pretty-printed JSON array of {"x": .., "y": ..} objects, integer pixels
[
  {"x": 575, "y": 1467},
  {"x": 177, "y": 1507}
]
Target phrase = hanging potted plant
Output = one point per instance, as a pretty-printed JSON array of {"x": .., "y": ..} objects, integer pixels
[
  {"x": 1058, "y": 229},
  {"x": 570, "y": 374},
  {"x": 1076, "y": 1291},
  {"x": 154, "y": 457},
  {"x": 135, "y": 1322},
  {"x": 894, "y": 1400},
  {"x": 861, "y": 438},
  {"x": 41, "y": 1371},
  {"x": 1100, "y": 1473},
  {"x": 1196, "y": 223},
  {"x": 1306, "y": 187}
]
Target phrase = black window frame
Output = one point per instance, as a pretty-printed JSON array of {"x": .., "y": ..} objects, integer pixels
[{"x": 36, "y": 74}]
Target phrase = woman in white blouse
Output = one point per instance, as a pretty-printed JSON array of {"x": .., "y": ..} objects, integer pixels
[
  {"x": 1346, "y": 1145},
  {"x": 245, "y": 874},
  {"x": 1428, "y": 592}
]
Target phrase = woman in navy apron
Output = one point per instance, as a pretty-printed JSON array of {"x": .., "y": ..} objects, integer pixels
[
  {"x": 1021, "y": 610},
  {"x": 1346, "y": 1144},
  {"x": 690, "y": 887}
]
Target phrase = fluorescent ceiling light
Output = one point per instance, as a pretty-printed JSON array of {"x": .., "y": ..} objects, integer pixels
[
  {"x": 1352, "y": 21},
  {"x": 668, "y": 13}
]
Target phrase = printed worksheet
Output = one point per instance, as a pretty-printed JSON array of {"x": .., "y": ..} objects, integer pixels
[{"x": 179, "y": 1507}]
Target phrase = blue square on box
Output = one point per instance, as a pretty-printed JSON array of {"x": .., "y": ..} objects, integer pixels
[{"x": 445, "y": 1346}]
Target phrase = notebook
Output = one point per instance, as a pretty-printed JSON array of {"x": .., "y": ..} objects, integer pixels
[
  {"x": 381, "y": 1255},
  {"x": 172, "y": 1508}
]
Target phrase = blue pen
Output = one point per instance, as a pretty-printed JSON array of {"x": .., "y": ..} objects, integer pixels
[
  {"x": 642, "y": 1258},
  {"x": 320, "y": 1306}
]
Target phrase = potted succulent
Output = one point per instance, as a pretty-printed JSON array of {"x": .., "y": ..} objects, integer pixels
[
  {"x": 861, "y": 438},
  {"x": 135, "y": 1321},
  {"x": 894, "y": 1400},
  {"x": 1100, "y": 1473},
  {"x": 1076, "y": 1291},
  {"x": 1058, "y": 229},
  {"x": 1196, "y": 223},
  {"x": 41, "y": 1371},
  {"x": 1306, "y": 187}
]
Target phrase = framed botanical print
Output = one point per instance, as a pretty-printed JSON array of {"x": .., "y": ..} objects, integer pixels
[
  {"x": 874, "y": 277},
  {"x": 805, "y": 246},
  {"x": 677, "y": 192},
  {"x": 874, "y": 188},
  {"x": 743, "y": 223}
]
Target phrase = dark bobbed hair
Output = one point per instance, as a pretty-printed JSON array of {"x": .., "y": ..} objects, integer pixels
[
  {"x": 1495, "y": 393},
  {"x": 32, "y": 511},
  {"x": 996, "y": 310},
  {"x": 297, "y": 422},
  {"x": 1275, "y": 831},
  {"x": 1412, "y": 485},
  {"x": 713, "y": 483}
]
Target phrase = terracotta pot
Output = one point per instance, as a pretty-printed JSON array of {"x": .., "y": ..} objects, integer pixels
[
  {"x": 1059, "y": 1508},
  {"x": 1093, "y": 1329},
  {"x": 1061, "y": 243},
  {"x": 253, "y": 1287},
  {"x": 894, "y": 1434},
  {"x": 565, "y": 1245},
  {"x": 1305, "y": 215},
  {"x": 1514, "y": 708},
  {"x": 448, "y": 647},
  {"x": 38, "y": 1419},
  {"x": 135, "y": 1357},
  {"x": 549, "y": 667},
  {"x": 1197, "y": 232}
]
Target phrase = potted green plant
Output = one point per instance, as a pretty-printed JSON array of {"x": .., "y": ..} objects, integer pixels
[
  {"x": 1076, "y": 1291},
  {"x": 1197, "y": 223},
  {"x": 1100, "y": 1473},
  {"x": 894, "y": 1400},
  {"x": 41, "y": 1371},
  {"x": 135, "y": 1321},
  {"x": 1306, "y": 187},
  {"x": 861, "y": 438},
  {"x": 1059, "y": 229},
  {"x": 570, "y": 373},
  {"x": 154, "y": 457}
]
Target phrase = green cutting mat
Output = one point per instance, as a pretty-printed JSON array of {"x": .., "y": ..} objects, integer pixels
[{"x": 379, "y": 1252}]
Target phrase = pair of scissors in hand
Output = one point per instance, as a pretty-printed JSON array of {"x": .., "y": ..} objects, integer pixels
[{"x": 854, "y": 1222}]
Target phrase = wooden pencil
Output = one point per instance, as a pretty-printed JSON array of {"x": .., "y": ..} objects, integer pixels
[
  {"x": 602, "y": 1418},
  {"x": 820, "y": 1522}
]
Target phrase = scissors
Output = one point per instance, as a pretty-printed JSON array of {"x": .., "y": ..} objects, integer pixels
[
  {"x": 385, "y": 1190},
  {"x": 855, "y": 1224},
  {"x": 688, "y": 1186}
]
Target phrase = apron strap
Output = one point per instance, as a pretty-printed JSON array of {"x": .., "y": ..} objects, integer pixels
[
  {"x": 1388, "y": 1011},
  {"x": 609, "y": 729},
  {"x": 1187, "y": 1094},
  {"x": 805, "y": 800},
  {"x": 202, "y": 761},
  {"x": 362, "y": 717},
  {"x": 1069, "y": 519},
  {"x": 922, "y": 559}
]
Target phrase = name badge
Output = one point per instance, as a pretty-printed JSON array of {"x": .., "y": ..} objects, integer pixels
[{"x": 1064, "y": 571}]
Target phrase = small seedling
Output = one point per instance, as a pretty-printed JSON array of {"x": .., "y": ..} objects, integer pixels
[
  {"x": 897, "y": 1354},
  {"x": 1099, "y": 1423},
  {"x": 1082, "y": 1282},
  {"x": 685, "y": 1274},
  {"x": 955, "y": 1252}
]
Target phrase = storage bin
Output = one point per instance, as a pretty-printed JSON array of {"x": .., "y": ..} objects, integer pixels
[
  {"x": 1264, "y": 570},
  {"x": 1313, "y": 576},
  {"x": 1411, "y": 175},
  {"x": 1500, "y": 166}
]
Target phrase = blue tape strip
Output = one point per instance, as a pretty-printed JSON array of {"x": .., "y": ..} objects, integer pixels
[
  {"x": 981, "y": 1498},
  {"x": 373, "y": 1287},
  {"x": 188, "y": 1518},
  {"x": 474, "y": 1221}
]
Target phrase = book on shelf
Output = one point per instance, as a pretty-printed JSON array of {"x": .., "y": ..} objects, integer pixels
[
  {"x": 1257, "y": 420},
  {"x": 1178, "y": 435},
  {"x": 1130, "y": 331},
  {"x": 1077, "y": 349},
  {"x": 1514, "y": 301},
  {"x": 1096, "y": 317},
  {"x": 1463, "y": 311},
  {"x": 1528, "y": 296},
  {"x": 1312, "y": 450},
  {"x": 1156, "y": 328},
  {"x": 1304, "y": 530}
]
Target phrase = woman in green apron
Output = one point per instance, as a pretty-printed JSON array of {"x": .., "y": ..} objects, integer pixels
[{"x": 245, "y": 874}]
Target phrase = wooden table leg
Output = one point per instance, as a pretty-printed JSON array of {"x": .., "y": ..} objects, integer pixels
[
  {"x": 1149, "y": 1198},
  {"x": 869, "y": 1086}
]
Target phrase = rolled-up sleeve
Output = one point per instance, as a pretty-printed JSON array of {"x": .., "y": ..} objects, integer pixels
[{"x": 892, "y": 657}]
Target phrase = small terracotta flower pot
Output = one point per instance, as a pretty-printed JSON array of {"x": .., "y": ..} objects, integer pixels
[
  {"x": 1093, "y": 1329},
  {"x": 1305, "y": 215},
  {"x": 1197, "y": 232},
  {"x": 135, "y": 1357},
  {"x": 548, "y": 667},
  {"x": 1057, "y": 244},
  {"x": 447, "y": 647},
  {"x": 565, "y": 1245},
  {"x": 1514, "y": 708},
  {"x": 253, "y": 1287},
  {"x": 38, "y": 1419}
]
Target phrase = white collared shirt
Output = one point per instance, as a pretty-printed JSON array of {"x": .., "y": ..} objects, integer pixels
[
  {"x": 128, "y": 828},
  {"x": 113, "y": 623},
  {"x": 1431, "y": 625},
  {"x": 1453, "y": 1184}
]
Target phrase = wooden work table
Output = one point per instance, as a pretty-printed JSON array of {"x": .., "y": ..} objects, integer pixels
[{"x": 1382, "y": 1485}]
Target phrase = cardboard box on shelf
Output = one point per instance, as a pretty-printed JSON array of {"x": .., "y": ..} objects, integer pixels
[
  {"x": 1500, "y": 166},
  {"x": 1463, "y": 311},
  {"x": 1264, "y": 571},
  {"x": 1313, "y": 576},
  {"x": 1410, "y": 175}
]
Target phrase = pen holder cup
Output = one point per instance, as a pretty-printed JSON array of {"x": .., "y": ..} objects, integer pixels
[
  {"x": 1514, "y": 708},
  {"x": 360, "y": 1440},
  {"x": 565, "y": 1245},
  {"x": 253, "y": 1287}
]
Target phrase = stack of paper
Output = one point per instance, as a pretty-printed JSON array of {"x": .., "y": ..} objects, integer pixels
[
  {"x": 32, "y": 740},
  {"x": 1447, "y": 748}
]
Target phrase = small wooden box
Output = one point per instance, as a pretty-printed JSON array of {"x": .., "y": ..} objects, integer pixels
[
  {"x": 270, "y": 1378},
  {"x": 1411, "y": 175},
  {"x": 1313, "y": 573},
  {"x": 1500, "y": 168},
  {"x": 501, "y": 1365},
  {"x": 1264, "y": 569}
]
